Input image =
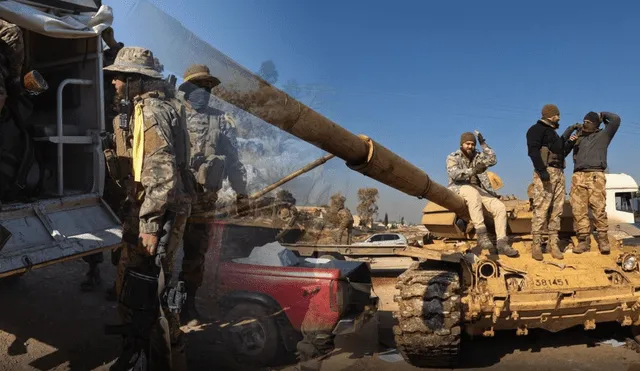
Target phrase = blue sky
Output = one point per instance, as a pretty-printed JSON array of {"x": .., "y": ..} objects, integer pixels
[{"x": 415, "y": 74}]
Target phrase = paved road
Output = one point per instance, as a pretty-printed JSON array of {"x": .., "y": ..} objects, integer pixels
[{"x": 47, "y": 324}]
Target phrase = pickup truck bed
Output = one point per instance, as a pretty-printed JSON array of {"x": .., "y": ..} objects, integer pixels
[{"x": 266, "y": 309}]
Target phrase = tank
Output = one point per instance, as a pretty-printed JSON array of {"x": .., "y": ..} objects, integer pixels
[{"x": 449, "y": 290}]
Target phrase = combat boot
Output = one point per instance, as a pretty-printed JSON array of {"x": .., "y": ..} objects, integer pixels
[
  {"x": 603, "y": 243},
  {"x": 536, "y": 248},
  {"x": 189, "y": 314},
  {"x": 484, "y": 242},
  {"x": 505, "y": 249},
  {"x": 555, "y": 249},
  {"x": 584, "y": 244}
]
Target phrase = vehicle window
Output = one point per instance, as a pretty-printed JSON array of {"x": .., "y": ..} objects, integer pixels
[
  {"x": 624, "y": 202},
  {"x": 376, "y": 238}
]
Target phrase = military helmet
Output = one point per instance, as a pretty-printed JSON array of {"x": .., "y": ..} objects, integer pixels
[
  {"x": 199, "y": 74},
  {"x": 134, "y": 59}
]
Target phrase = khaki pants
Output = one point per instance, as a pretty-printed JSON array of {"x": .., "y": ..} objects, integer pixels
[
  {"x": 589, "y": 191},
  {"x": 476, "y": 198},
  {"x": 548, "y": 201}
]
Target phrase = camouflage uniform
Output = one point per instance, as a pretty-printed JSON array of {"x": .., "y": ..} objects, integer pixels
[
  {"x": 214, "y": 156},
  {"x": 345, "y": 225},
  {"x": 469, "y": 179},
  {"x": 163, "y": 186},
  {"x": 11, "y": 57},
  {"x": 588, "y": 184},
  {"x": 547, "y": 151}
]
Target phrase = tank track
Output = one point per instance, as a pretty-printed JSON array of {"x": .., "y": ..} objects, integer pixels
[{"x": 428, "y": 330}]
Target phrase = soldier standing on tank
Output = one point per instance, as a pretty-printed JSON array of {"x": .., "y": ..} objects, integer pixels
[
  {"x": 214, "y": 156},
  {"x": 467, "y": 168},
  {"x": 547, "y": 151},
  {"x": 152, "y": 149},
  {"x": 588, "y": 183}
]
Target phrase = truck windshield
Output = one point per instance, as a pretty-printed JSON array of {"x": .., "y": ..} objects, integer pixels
[{"x": 628, "y": 202}]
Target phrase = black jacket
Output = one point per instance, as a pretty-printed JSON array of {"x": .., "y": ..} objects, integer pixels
[
  {"x": 542, "y": 135},
  {"x": 590, "y": 150}
]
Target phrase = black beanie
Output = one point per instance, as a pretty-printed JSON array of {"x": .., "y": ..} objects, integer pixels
[
  {"x": 591, "y": 122},
  {"x": 466, "y": 137}
]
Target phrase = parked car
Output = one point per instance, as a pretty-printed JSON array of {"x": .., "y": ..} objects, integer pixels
[{"x": 384, "y": 239}]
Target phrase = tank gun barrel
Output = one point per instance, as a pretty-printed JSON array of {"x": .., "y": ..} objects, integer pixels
[{"x": 252, "y": 94}]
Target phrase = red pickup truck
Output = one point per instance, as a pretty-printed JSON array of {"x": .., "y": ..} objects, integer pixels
[{"x": 265, "y": 309}]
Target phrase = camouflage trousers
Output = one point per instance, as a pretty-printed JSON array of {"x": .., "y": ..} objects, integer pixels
[
  {"x": 548, "y": 201},
  {"x": 133, "y": 256},
  {"x": 588, "y": 191},
  {"x": 477, "y": 198},
  {"x": 195, "y": 245}
]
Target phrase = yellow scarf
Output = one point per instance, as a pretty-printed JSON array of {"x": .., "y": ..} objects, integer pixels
[{"x": 138, "y": 142}]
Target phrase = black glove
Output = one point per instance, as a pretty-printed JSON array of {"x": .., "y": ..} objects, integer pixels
[
  {"x": 544, "y": 175},
  {"x": 480, "y": 137}
]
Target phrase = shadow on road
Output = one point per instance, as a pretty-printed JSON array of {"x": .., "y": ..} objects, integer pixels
[{"x": 47, "y": 318}]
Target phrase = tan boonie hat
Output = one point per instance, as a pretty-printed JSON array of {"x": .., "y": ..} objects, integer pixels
[
  {"x": 199, "y": 73},
  {"x": 134, "y": 59}
]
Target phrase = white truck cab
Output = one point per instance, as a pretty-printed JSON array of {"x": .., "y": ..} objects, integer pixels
[{"x": 622, "y": 198}]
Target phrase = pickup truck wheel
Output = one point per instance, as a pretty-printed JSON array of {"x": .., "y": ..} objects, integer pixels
[
  {"x": 429, "y": 328},
  {"x": 252, "y": 334}
]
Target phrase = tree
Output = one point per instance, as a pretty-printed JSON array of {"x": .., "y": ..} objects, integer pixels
[
  {"x": 367, "y": 208},
  {"x": 386, "y": 219},
  {"x": 402, "y": 220},
  {"x": 268, "y": 72}
]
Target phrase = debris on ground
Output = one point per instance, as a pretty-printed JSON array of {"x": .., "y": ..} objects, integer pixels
[{"x": 391, "y": 356}]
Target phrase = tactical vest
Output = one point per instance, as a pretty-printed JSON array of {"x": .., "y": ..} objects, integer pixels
[
  {"x": 551, "y": 159},
  {"x": 119, "y": 159}
]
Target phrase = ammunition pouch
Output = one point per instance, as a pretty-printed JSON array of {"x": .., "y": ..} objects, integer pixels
[
  {"x": 113, "y": 164},
  {"x": 549, "y": 158},
  {"x": 210, "y": 173}
]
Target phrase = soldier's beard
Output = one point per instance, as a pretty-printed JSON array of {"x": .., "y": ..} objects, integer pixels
[{"x": 468, "y": 153}]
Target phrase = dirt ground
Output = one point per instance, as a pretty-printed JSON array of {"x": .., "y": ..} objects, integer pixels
[{"x": 46, "y": 323}]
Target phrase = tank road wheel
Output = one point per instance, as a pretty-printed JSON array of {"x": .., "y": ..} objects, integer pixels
[{"x": 428, "y": 330}]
